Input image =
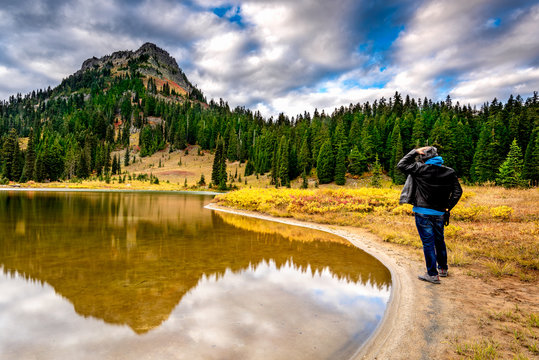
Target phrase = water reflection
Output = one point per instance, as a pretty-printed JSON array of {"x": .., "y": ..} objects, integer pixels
[{"x": 207, "y": 285}]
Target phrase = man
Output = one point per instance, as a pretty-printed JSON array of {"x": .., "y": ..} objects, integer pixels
[{"x": 434, "y": 190}]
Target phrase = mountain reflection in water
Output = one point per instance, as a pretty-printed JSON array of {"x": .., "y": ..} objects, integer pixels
[{"x": 201, "y": 281}]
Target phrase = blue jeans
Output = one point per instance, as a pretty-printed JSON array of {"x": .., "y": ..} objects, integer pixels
[{"x": 431, "y": 232}]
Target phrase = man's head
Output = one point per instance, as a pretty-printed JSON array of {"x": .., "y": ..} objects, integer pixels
[{"x": 428, "y": 153}]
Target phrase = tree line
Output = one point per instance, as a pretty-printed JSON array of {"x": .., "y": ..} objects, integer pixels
[{"x": 73, "y": 129}]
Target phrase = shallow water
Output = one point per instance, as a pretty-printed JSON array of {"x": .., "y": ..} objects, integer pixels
[{"x": 110, "y": 275}]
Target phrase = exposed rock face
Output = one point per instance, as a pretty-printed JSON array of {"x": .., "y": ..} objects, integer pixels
[{"x": 155, "y": 62}]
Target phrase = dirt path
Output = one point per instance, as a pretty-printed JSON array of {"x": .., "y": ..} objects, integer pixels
[{"x": 423, "y": 320}]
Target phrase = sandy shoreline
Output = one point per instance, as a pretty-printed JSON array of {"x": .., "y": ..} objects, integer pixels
[{"x": 400, "y": 334}]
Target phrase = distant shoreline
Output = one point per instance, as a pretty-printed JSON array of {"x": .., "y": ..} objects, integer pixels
[{"x": 67, "y": 189}]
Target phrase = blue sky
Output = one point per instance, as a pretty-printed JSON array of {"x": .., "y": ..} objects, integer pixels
[{"x": 287, "y": 56}]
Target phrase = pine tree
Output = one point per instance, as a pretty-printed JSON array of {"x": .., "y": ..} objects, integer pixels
[
  {"x": 354, "y": 137},
  {"x": 464, "y": 150},
  {"x": 357, "y": 162},
  {"x": 233, "y": 146},
  {"x": 223, "y": 177},
  {"x": 340, "y": 166},
  {"x": 283, "y": 156},
  {"x": 274, "y": 167},
  {"x": 305, "y": 182},
  {"x": 293, "y": 169},
  {"x": 99, "y": 160},
  {"x": 510, "y": 172},
  {"x": 325, "y": 163},
  {"x": 217, "y": 162},
  {"x": 398, "y": 176},
  {"x": 490, "y": 149},
  {"x": 125, "y": 134},
  {"x": 249, "y": 168},
  {"x": 392, "y": 147},
  {"x": 126, "y": 156},
  {"x": 39, "y": 171},
  {"x": 530, "y": 170},
  {"x": 53, "y": 161},
  {"x": 180, "y": 140},
  {"x": 107, "y": 160},
  {"x": 442, "y": 137},
  {"x": 304, "y": 159},
  {"x": 376, "y": 180},
  {"x": 340, "y": 138},
  {"x": 368, "y": 141},
  {"x": 418, "y": 132},
  {"x": 202, "y": 181},
  {"x": 10, "y": 154},
  {"x": 82, "y": 166},
  {"x": 114, "y": 168}
]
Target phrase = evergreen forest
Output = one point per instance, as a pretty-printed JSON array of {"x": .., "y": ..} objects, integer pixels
[{"x": 73, "y": 129}]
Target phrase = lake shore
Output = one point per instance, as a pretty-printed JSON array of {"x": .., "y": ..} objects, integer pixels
[
  {"x": 108, "y": 189},
  {"x": 462, "y": 318}
]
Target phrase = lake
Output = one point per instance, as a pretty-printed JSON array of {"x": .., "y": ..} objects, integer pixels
[{"x": 141, "y": 275}]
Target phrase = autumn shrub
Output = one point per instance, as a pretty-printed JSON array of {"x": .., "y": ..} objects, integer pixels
[
  {"x": 501, "y": 212},
  {"x": 403, "y": 210},
  {"x": 452, "y": 230},
  {"x": 466, "y": 213}
]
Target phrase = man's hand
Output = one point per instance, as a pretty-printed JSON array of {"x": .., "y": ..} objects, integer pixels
[
  {"x": 447, "y": 215},
  {"x": 421, "y": 151}
]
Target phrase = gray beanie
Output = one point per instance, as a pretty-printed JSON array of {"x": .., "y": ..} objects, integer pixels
[{"x": 428, "y": 154}]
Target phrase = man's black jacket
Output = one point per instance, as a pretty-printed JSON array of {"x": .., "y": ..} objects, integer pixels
[{"x": 435, "y": 187}]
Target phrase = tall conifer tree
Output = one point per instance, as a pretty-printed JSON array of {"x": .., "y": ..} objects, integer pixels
[
  {"x": 325, "y": 163},
  {"x": 340, "y": 166},
  {"x": 510, "y": 172},
  {"x": 284, "y": 170}
]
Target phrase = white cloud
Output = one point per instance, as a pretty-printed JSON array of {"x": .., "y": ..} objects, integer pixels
[
  {"x": 486, "y": 85},
  {"x": 285, "y": 46},
  {"x": 448, "y": 40}
]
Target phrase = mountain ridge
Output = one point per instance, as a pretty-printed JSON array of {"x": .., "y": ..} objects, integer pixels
[{"x": 149, "y": 60}]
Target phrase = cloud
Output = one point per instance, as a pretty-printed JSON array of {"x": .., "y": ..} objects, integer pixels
[
  {"x": 245, "y": 314},
  {"x": 281, "y": 56},
  {"x": 288, "y": 51},
  {"x": 449, "y": 48},
  {"x": 485, "y": 86}
]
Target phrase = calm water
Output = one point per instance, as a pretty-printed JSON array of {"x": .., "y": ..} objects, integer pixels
[{"x": 108, "y": 275}]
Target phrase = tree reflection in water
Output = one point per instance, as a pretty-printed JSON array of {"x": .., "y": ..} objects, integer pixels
[{"x": 138, "y": 259}]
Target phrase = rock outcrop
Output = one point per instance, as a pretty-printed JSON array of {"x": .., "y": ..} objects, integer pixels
[{"x": 152, "y": 61}]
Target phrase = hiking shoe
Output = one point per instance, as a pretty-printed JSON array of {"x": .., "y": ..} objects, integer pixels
[
  {"x": 442, "y": 272},
  {"x": 435, "y": 279}
]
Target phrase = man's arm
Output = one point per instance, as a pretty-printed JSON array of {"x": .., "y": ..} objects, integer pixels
[
  {"x": 407, "y": 164},
  {"x": 456, "y": 193}
]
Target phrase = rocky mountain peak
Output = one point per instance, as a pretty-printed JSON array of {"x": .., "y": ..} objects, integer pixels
[{"x": 152, "y": 60}]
